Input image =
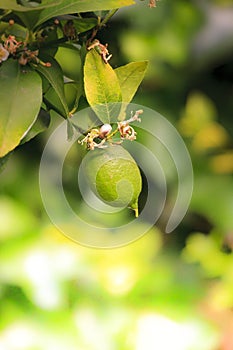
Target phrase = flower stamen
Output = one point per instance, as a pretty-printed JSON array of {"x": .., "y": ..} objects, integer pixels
[{"x": 101, "y": 49}]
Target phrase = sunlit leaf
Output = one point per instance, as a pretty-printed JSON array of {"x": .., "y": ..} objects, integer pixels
[
  {"x": 76, "y": 6},
  {"x": 130, "y": 77},
  {"x": 101, "y": 87}
]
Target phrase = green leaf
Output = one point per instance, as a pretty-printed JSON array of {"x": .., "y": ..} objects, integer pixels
[
  {"x": 16, "y": 30},
  {"x": 54, "y": 75},
  {"x": 130, "y": 77},
  {"x": 85, "y": 24},
  {"x": 70, "y": 130},
  {"x": 53, "y": 102},
  {"x": 77, "y": 6},
  {"x": 68, "y": 57},
  {"x": 12, "y": 5},
  {"x": 41, "y": 124},
  {"x": 81, "y": 24},
  {"x": 20, "y": 101},
  {"x": 28, "y": 18},
  {"x": 102, "y": 87},
  {"x": 73, "y": 92}
]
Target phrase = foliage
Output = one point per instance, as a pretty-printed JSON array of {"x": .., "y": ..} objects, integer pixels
[
  {"x": 163, "y": 291},
  {"x": 33, "y": 34}
]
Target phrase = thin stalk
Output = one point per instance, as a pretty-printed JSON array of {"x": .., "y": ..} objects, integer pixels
[{"x": 108, "y": 17}]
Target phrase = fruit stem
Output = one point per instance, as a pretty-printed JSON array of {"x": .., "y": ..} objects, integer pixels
[{"x": 136, "y": 212}]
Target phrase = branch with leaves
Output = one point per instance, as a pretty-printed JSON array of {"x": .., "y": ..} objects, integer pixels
[{"x": 34, "y": 76}]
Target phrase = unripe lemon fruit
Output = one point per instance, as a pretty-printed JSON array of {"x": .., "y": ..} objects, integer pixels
[{"x": 114, "y": 176}]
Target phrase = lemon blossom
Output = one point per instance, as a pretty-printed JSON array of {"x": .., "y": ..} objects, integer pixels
[
  {"x": 11, "y": 44},
  {"x": 3, "y": 54},
  {"x": 127, "y": 132}
]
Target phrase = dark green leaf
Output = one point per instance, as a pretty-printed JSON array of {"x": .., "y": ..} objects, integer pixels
[
  {"x": 12, "y": 5},
  {"x": 73, "y": 92},
  {"x": 55, "y": 77},
  {"x": 20, "y": 101},
  {"x": 53, "y": 102},
  {"x": 82, "y": 24},
  {"x": 41, "y": 124},
  {"x": 29, "y": 18},
  {"x": 17, "y": 30}
]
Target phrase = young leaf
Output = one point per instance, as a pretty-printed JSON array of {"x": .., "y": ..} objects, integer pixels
[
  {"x": 102, "y": 87},
  {"x": 130, "y": 77},
  {"x": 54, "y": 75},
  {"x": 20, "y": 101},
  {"x": 76, "y": 6}
]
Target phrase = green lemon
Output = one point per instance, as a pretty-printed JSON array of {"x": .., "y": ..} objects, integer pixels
[{"x": 114, "y": 176}]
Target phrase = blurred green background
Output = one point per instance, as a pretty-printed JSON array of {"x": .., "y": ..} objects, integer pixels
[{"x": 164, "y": 291}]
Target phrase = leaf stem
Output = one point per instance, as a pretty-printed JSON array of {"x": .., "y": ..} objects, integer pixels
[
  {"x": 108, "y": 17},
  {"x": 101, "y": 24},
  {"x": 54, "y": 43}
]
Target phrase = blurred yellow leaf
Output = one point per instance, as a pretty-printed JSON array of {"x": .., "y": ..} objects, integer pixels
[
  {"x": 221, "y": 295},
  {"x": 212, "y": 135},
  {"x": 222, "y": 163},
  {"x": 199, "y": 111},
  {"x": 205, "y": 250},
  {"x": 199, "y": 123}
]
